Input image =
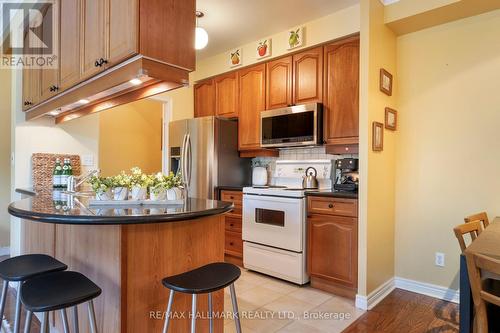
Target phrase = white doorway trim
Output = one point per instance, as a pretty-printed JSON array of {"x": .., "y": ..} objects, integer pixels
[{"x": 167, "y": 114}]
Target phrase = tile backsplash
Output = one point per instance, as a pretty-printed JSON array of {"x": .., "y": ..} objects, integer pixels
[{"x": 310, "y": 153}]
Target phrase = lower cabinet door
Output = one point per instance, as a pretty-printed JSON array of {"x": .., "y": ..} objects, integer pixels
[
  {"x": 234, "y": 244},
  {"x": 333, "y": 248}
]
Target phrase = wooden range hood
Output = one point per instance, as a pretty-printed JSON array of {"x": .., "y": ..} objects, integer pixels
[{"x": 112, "y": 88}]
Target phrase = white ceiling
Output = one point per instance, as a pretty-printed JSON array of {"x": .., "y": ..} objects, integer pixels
[{"x": 232, "y": 23}]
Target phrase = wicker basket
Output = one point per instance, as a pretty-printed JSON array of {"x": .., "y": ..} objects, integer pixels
[{"x": 43, "y": 168}]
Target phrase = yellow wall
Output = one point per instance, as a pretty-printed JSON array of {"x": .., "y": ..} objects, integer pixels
[
  {"x": 376, "y": 222},
  {"x": 407, "y": 16},
  {"x": 448, "y": 153},
  {"x": 130, "y": 135},
  {"x": 338, "y": 24},
  {"x": 5, "y": 140}
]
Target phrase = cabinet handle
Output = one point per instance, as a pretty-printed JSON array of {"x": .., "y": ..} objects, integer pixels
[
  {"x": 97, "y": 63},
  {"x": 330, "y": 205},
  {"x": 232, "y": 225},
  {"x": 231, "y": 197},
  {"x": 102, "y": 61},
  {"x": 231, "y": 243}
]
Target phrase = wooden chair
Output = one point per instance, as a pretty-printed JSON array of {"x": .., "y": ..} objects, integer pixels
[
  {"x": 483, "y": 217},
  {"x": 477, "y": 266},
  {"x": 474, "y": 228}
]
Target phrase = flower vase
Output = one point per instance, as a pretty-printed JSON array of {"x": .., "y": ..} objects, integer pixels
[{"x": 120, "y": 193}]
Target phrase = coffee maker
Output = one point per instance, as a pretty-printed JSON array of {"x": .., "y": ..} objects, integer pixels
[{"x": 346, "y": 175}]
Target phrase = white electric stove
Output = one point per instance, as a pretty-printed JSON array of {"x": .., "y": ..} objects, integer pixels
[{"x": 274, "y": 221}]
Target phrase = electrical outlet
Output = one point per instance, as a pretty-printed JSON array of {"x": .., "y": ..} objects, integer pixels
[
  {"x": 439, "y": 260},
  {"x": 88, "y": 160}
]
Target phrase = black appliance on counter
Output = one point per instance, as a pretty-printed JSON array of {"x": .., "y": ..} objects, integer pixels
[{"x": 346, "y": 175}]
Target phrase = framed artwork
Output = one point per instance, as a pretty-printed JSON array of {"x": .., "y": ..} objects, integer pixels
[
  {"x": 377, "y": 136},
  {"x": 235, "y": 57},
  {"x": 391, "y": 119},
  {"x": 385, "y": 82},
  {"x": 295, "y": 38},
  {"x": 263, "y": 48}
]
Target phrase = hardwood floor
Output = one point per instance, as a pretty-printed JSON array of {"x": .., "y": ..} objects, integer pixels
[
  {"x": 404, "y": 311},
  {"x": 10, "y": 312}
]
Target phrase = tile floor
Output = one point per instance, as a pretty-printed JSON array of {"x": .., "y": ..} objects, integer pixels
[{"x": 270, "y": 305}]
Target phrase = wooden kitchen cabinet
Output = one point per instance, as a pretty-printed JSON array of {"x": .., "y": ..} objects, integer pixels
[
  {"x": 226, "y": 95},
  {"x": 341, "y": 96},
  {"x": 279, "y": 83},
  {"x": 332, "y": 245},
  {"x": 252, "y": 100},
  {"x": 49, "y": 78},
  {"x": 69, "y": 53},
  {"x": 94, "y": 36},
  {"x": 123, "y": 30},
  {"x": 31, "y": 84},
  {"x": 233, "y": 245},
  {"x": 204, "y": 98},
  {"x": 308, "y": 76}
]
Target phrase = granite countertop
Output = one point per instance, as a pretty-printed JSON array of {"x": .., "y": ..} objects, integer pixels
[
  {"x": 52, "y": 207},
  {"x": 333, "y": 194}
]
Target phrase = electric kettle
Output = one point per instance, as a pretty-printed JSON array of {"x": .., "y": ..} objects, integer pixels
[{"x": 309, "y": 181}]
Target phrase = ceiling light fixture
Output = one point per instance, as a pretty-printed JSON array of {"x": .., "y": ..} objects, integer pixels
[
  {"x": 84, "y": 101},
  {"x": 201, "y": 35}
]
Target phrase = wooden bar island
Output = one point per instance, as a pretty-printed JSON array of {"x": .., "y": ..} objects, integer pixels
[{"x": 127, "y": 252}]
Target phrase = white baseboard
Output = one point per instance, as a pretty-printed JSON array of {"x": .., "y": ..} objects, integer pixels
[
  {"x": 432, "y": 290},
  {"x": 4, "y": 251},
  {"x": 368, "y": 302}
]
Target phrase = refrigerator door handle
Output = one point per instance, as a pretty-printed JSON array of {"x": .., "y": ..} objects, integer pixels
[
  {"x": 183, "y": 159},
  {"x": 189, "y": 160}
]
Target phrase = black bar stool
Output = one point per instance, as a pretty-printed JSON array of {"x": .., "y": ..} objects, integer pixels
[
  {"x": 21, "y": 268},
  {"x": 58, "y": 291},
  {"x": 204, "y": 280}
]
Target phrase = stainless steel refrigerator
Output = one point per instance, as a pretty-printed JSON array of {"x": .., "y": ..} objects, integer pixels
[{"x": 205, "y": 151}]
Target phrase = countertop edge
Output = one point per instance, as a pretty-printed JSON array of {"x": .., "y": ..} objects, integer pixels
[{"x": 118, "y": 220}]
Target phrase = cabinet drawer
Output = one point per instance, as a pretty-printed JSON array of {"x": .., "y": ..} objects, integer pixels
[
  {"x": 232, "y": 196},
  {"x": 332, "y": 206},
  {"x": 233, "y": 224},
  {"x": 234, "y": 243}
]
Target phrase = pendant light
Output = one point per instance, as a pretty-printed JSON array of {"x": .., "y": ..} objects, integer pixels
[{"x": 201, "y": 36}]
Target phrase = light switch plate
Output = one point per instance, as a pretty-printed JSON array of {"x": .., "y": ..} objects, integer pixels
[
  {"x": 87, "y": 160},
  {"x": 439, "y": 259}
]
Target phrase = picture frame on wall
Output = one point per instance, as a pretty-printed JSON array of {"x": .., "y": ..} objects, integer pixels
[
  {"x": 235, "y": 57},
  {"x": 385, "y": 82},
  {"x": 391, "y": 119},
  {"x": 377, "y": 136},
  {"x": 295, "y": 38},
  {"x": 263, "y": 48}
]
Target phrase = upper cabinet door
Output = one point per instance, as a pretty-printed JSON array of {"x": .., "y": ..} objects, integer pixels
[
  {"x": 94, "y": 36},
  {"x": 123, "y": 30},
  {"x": 252, "y": 100},
  {"x": 69, "y": 53},
  {"x": 204, "y": 99},
  {"x": 279, "y": 83},
  {"x": 49, "y": 80},
  {"x": 31, "y": 83},
  {"x": 226, "y": 95},
  {"x": 341, "y": 100},
  {"x": 308, "y": 76}
]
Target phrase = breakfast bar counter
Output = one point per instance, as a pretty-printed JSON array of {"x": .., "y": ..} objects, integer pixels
[{"x": 127, "y": 251}]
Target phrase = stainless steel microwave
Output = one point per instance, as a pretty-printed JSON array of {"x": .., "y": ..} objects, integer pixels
[{"x": 294, "y": 126}]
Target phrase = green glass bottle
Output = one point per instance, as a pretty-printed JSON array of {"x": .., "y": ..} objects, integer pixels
[
  {"x": 65, "y": 174},
  {"x": 56, "y": 174}
]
